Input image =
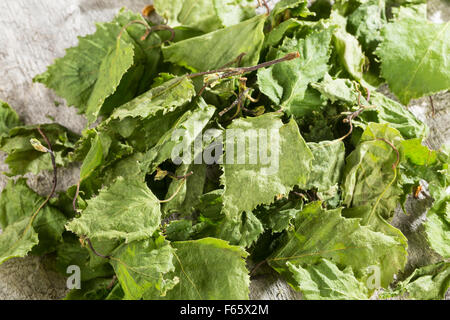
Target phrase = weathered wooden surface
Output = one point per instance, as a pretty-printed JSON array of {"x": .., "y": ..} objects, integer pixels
[{"x": 34, "y": 32}]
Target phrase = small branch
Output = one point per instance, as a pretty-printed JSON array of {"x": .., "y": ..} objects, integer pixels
[
  {"x": 223, "y": 73},
  {"x": 112, "y": 283},
  {"x": 238, "y": 101},
  {"x": 175, "y": 194},
  {"x": 180, "y": 177},
  {"x": 149, "y": 29},
  {"x": 183, "y": 180},
  {"x": 349, "y": 120},
  {"x": 230, "y": 72},
  {"x": 433, "y": 111},
  {"x": 162, "y": 27},
  {"x": 355, "y": 114},
  {"x": 264, "y": 3},
  {"x": 252, "y": 272}
]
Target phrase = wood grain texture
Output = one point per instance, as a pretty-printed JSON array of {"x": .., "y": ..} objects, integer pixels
[{"x": 34, "y": 33}]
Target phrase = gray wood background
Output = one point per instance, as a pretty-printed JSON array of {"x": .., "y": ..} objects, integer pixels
[{"x": 35, "y": 32}]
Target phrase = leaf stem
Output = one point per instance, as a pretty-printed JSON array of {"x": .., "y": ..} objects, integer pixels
[
  {"x": 349, "y": 119},
  {"x": 264, "y": 3},
  {"x": 238, "y": 101},
  {"x": 88, "y": 241},
  {"x": 176, "y": 192},
  {"x": 395, "y": 165},
  {"x": 55, "y": 178},
  {"x": 433, "y": 111},
  {"x": 74, "y": 202},
  {"x": 149, "y": 29}
]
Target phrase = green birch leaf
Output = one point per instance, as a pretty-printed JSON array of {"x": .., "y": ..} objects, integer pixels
[
  {"x": 17, "y": 240},
  {"x": 116, "y": 293},
  {"x": 93, "y": 159},
  {"x": 371, "y": 188},
  {"x": 23, "y": 158},
  {"x": 381, "y": 109},
  {"x": 285, "y": 83},
  {"x": 195, "y": 14},
  {"x": 94, "y": 289},
  {"x": 312, "y": 102},
  {"x": 398, "y": 117},
  {"x": 366, "y": 23},
  {"x": 424, "y": 70},
  {"x": 437, "y": 226},
  {"x": 277, "y": 216},
  {"x": 142, "y": 267},
  {"x": 215, "y": 49},
  {"x": 249, "y": 182},
  {"x": 325, "y": 281},
  {"x": 426, "y": 283},
  {"x": 370, "y": 178},
  {"x": 178, "y": 230},
  {"x": 100, "y": 151},
  {"x": 341, "y": 90},
  {"x": 113, "y": 66},
  {"x": 234, "y": 12},
  {"x": 127, "y": 210},
  {"x": 204, "y": 15},
  {"x": 294, "y": 8},
  {"x": 209, "y": 269},
  {"x": 274, "y": 37},
  {"x": 412, "y": 11},
  {"x": 176, "y": 143},
  {"x": 328, "y": 165},
  {"x": 349, "y": 52},
  {"x": 8, "y": 119},
  {"x": 18, "y": 202},
  {"x": 162, "y": 99},
  {"x": 70, "y": 253},
  {"x": 243, "y": 230},
  {"x": 319, "y": 233},
  {"x": 187, "y": 197}
]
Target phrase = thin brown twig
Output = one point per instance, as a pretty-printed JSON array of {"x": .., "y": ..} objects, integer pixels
[
  {"x": 112, "y": 283},
  {"x": 223, "y": 73},
  {"x": 163, "y": 27},
  {"x": 149, "y": 29},
  {"x": 183, "y": 180},
  {"x": 236, "y": 102},
  {"x": 175, "y": 193},
  {"x": 349, "y": 119},
  {"x": 170, "y": 174},
  {"x": 252, "y": 272},
  {"x": 264, "y": 3},
  {"x": 433, "y": 111},
  {"x": 230, "y": 72}
]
